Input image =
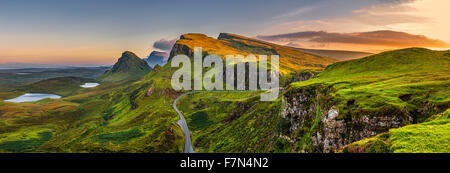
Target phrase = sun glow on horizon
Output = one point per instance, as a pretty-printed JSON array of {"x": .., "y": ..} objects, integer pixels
[{"x": 62, "y": 37}]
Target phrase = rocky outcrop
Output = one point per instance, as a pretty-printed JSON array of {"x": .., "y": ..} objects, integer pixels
[
  {"x": 181, "y": 49},
  {"x": 313, "y": 116},
  {"x": 161, "y": 92},
  {"x": 300, "y": 76},
  {"x": 129, "y": 62}
]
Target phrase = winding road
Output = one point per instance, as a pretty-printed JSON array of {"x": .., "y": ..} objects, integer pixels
[{"x": 182, "y": 122}]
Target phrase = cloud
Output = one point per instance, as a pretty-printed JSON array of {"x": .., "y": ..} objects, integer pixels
[
  {"x": 164, "y": 44},
  {"x": 384, "y": 38},
  {"x": 296, "y": 12},
  {"x": 421, "y": 17}
]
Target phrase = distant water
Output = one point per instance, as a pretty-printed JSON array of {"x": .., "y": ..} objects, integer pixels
[
  {"x": 32, "y": 97},
  {"x": 89, "y": 85}
]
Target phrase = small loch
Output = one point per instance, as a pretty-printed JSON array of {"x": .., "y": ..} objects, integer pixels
[
  {"x": 89, "y": 85},
  {"x": 32, "y": 97}
]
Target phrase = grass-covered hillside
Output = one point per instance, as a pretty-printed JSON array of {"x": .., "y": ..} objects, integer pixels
[
  {"x": 432, "y": 136},
  {"x": 113, "y": 117},
  {"x": 124, "y": 116},
  {"x": 131, "y": 111},
  {"x": 405, "y": 79},
  {"x": 353, "y": 100},
  {"x": 291, "y": 59},
  {"x": 231, "y": 122},
  {"x": 128, "y": 67}
]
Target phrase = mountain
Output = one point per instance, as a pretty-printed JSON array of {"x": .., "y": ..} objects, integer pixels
[
  {"x": 156, "y": 57},
  {"x": 347, "y": 102},
  {"x": 322, "y": 111},
  {"x": 49, "y": 66},
  {"x": 341, "y": 55},
  {"x": 30, "y": 65},
  {"x": 128, "y": 67},
  {"x": 291, "y": 59},
  {"x": 357, "y": 99}
]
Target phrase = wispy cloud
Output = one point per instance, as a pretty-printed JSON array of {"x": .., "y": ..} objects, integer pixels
[
  {"x": 380, "y": 38},
  {"x": 296, "y": 12},
  {"x": 422, "y": 17},
  {"x": 164, "y": 44}
]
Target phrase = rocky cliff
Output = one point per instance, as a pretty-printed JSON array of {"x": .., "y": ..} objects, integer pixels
[
  {"x": 322, "y": 127},
  {"x": 291, "y": 59},
  {"x": 358, "y": 99}
]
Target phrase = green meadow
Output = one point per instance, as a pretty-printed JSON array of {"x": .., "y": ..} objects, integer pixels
[{"x": 131, "y": 111}]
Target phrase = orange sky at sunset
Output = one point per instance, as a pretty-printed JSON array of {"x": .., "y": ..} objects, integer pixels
[
  {"x": 428, "y": 18},
  {"x": 78, "y": 34}
]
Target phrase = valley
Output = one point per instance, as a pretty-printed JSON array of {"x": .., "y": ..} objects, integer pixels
[{"x": 325, "y": 105}]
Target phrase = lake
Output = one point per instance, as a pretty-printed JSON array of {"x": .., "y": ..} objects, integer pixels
[
  {"x": 89, "y": 85},
  {"x": 32, "y": 97}
]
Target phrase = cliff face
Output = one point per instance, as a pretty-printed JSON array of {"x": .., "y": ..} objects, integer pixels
[
  {"x": 181, "y": 49},
  {"x": 431, "y": 136},
  {"x": 357, "y": 99},
  {"x": 313, "y": 116},
  {"x": 291, "y": 59}
]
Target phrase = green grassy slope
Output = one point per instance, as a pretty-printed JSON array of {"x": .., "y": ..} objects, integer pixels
[
  {"x": 126, "y": 118},
  {"x": 291, "y": 59},
  {"x": 432, "y": 136},
  {"x": 231, "y": 122},
  {"x": 113, "y": 117},
  {"x": 128, "y": 67},
  {"x": 63, "y": 86},
  {"x": 405, "y": 79},
  {"x": 132, "y": 111}
]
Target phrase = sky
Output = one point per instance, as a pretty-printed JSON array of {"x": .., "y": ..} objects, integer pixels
[{"x": 95, "y": 32}]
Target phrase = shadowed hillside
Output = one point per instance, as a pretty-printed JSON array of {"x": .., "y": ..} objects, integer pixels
[
  {"x": 132, "y": 111},
  {"x": 128, "y": 67}
]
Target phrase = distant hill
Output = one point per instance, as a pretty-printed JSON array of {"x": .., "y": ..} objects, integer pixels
[
  {"x": 29, "y": 65},
  {"x": 291, "y": 59},
  {"x": 341, "y": 55},
  {"x": 13, "y": 78},
  {"x": 156, "y": 58},
  {"x": 128, "y": 67},
  {"x": 63, "y": 86},
  {"x": 391, "y": 62}
]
